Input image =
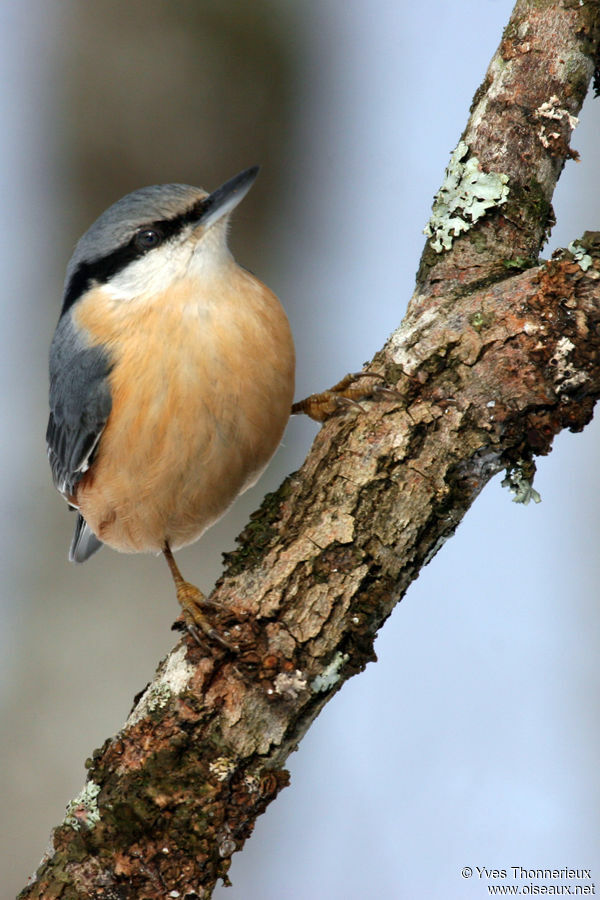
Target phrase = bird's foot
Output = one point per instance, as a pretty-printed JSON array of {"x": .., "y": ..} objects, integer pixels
[
  {"x": 193, "y": 604},
  {"x": 343, "y": 396}
]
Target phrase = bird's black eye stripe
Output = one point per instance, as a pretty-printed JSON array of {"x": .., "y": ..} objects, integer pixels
[{"x": 106, "y": 267}]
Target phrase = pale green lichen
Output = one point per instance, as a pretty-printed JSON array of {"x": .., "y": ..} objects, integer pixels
[
  {"x": 581, "y": 257},
  {"x": 521, "y": 486},
  {"x": 465, "y": 196},
  {"x": 330, "y": 674},
  {"x": 172, "y": 680},
  {"x": 82, "y": 811}
]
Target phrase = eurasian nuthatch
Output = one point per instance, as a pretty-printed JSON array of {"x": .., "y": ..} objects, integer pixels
[{"x": 171, "y": 376}]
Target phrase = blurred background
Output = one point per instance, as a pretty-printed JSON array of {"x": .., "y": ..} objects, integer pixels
[{"x": 473, "y": 741}]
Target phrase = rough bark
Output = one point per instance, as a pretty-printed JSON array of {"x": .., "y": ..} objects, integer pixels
[{"x": 497, "y": 354}]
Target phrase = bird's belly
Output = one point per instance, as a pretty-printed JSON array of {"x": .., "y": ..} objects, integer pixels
[
  {"x": 192, "y": 426},
  {"x": 182, "y": 489}
]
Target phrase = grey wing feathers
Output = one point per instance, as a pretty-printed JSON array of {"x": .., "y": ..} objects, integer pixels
[
  {"x": 71, "y": 448},
  {"x": 80, "y": 403}
]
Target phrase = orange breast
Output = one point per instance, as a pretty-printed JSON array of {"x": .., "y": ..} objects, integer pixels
[{"x": 202, "y": 386}]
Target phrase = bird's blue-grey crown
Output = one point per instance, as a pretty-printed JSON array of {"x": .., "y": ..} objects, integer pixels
[
  {"x": 118, "y": 224},
  {"x": 111, "y": 243},
  {"x": 113, "y": 231}
]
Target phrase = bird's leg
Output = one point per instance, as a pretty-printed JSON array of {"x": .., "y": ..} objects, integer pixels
[
  {"x": 343, "y": 395},
  {"x": 191, "y": 599}
]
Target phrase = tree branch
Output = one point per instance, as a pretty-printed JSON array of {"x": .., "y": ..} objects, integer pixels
[{"x": 497, "y": 354}]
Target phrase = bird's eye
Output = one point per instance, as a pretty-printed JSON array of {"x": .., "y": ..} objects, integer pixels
[{"x": 147, "y": 238}]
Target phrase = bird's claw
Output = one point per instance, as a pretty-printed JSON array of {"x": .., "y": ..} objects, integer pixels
[
  {"x": 342, "y": 396},
  {"x": 191, "y": 600}
]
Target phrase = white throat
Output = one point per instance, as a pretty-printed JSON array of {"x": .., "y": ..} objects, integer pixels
[{"x": 202, "y": 257}]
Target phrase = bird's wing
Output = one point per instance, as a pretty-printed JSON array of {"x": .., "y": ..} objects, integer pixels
[{"x": 80, "y": 403}]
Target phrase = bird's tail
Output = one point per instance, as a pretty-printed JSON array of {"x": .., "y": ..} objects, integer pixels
[{"x": 84, "y": 541}]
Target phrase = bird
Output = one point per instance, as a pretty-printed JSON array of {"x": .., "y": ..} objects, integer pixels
[{"x": 171, "y": 377}]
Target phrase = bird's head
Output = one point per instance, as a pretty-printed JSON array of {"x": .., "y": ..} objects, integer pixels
[{"x": 149, "y": 238}]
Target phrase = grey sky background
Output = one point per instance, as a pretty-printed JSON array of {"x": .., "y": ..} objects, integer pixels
[{"x": 472, "y": 741}]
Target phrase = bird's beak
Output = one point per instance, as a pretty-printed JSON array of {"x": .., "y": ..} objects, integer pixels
[{"x": 226, "y": 197}]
